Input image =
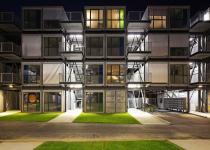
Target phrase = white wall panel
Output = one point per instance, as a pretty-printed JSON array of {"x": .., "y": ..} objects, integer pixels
[
  {"x": 51, "y": 73},
  {"x": 31, "y": 45},
  {"x": 159, "y": 44},
  {"x": 179, "y": 40},
  {"x": 159, "y": 72}
]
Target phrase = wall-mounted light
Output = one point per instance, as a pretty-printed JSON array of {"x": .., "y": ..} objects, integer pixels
[
  {"x": 200, "y": 86},
  {"x": 10, "y": 86}
]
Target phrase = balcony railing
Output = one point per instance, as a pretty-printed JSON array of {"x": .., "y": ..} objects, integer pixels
[
  {"x": 31, "y": 79},
  {"x": 75, "y": 16},
  {"x": 142, "y": 47},
  {"x": 9, "y": 78},
  {"x": 9, "y": 47},
  {"x": 135, "y": 16},
  {"x": 66, "y": 47},
  {"x": 6, "y": 17},
  {"x": 203, "y": 78},
  {"x": 70, "y": 78},
  {"x": 139, "y": 78},
  {"x": 200, "y": 16}
]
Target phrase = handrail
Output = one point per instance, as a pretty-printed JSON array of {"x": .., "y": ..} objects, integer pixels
[
  {"x": 139, "y": 47},
  {"x": 135, "y": 15},
  {"x": 67, "y": 47},
  {"x": 70, "y": 79},
  {"x": 7, "y": 47},
  {"x": 6, "y": 17},
  {"x": 9, "y": 77},
  {"x": 75, "y": 16}
]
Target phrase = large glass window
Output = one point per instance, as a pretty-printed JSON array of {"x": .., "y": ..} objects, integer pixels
[
  {"x": 179, "y": 51},
  {"x": 31, "y": 74},
  {"x": 94, "y": 46},
  {"x": 31, "y": 101},
  {"x": 51, "y": 46},
  {"x": 94, "y": 18},
  {"x": 32, "y": 19},
  {"x": 52, "y": 101},
  {"x": 94, "y": 101},
  {"x": 178, "y": 18},
  {"x": 115, "y": 18},
  {"x": 115, "y": 74},
  {"x": 94, "y": 74},
  {"x": 179, "y": 73},
  {"x": 158, "y": 22},
  {"x": 115, "y": 46}
]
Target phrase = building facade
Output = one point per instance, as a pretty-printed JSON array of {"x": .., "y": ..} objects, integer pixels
[{"x": 107, "y": 60}]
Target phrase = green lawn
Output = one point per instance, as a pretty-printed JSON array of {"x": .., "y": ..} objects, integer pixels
[
  {"x": 36, "y": 117},
  {"x": 116, "y": 118},
  {"x": 110, "y": 145}
]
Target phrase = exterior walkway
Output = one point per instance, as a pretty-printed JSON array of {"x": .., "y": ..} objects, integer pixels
[
  {"x": 68, "y": 116},
  {"x": 19, "y": 145},
  {"x": 206, "y": 115},
  {"x": 146, "y": 118},
  {"x": 195, "y": 144},
  {"x": 8, "y": 113}
]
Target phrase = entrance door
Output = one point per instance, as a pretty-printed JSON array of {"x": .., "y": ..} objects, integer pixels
[
  {"x": 74, "y": 99},
  {"x": 94, "y": 101},
  {"x": 11, "y": 100}
]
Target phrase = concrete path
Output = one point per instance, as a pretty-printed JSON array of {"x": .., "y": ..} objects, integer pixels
[
  {"x": 8, "y": 113},
  {"x": 68, "y": 116},
  {"x": 206, "y": 115},
  {"x": 19, "y": 145},
  {"x": 195, "y": 144},
  {"x": 146, "y": 118}
]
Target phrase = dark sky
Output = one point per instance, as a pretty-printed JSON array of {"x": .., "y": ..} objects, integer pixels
[{"x": 15, "y": 5}]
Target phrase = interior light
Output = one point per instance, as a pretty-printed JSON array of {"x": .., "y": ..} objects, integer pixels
[{"x": 200, "y": 86}]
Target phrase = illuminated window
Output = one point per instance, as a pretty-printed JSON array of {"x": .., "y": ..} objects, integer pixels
[
  {"x": 115, "y": 18},
  {"x": 158, "y": 22},
  {"x": 94, "y": 18},
  {"x": 115, "y": 74}
]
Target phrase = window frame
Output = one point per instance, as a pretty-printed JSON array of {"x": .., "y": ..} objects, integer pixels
[
  {"x": 39, "y": 76},
  {"x": 119, "y": 74},
  {"x": 111, "y": 20},
  {"x": 103, "y": 45},
  {"x": 98, "y": 20},
  {"x": 47, "y": 47}
]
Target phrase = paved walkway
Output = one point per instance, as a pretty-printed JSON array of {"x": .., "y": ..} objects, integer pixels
[
  {"x": 206, "y": 115},
  {"x": 8, "y": 113},
  {"x": 146, "y": 118},
  {"x": 195, "y": 144},
  {"x": 68, "y": 116},
  {"x": 19, "y": 145}
]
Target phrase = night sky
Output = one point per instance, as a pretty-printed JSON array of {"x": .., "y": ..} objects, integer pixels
[{"x": 15, "y": 5}]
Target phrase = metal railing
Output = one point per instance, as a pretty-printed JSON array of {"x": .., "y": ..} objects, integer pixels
[
  {"x": 139, "y": 47},
  {"x": 6, "y": 17},
  {"x": 70, "y": 78},
  {"x": 9, "y": 47},
  {"x": 200, "y": 16},
  {"x": 75, "y": 16},
  {"x": 31, "y": 79},
  {"x": 135, "y": 15},
  {"x": 66, "y": 47},
  {"x": 140, "y": 77},
  {"x": 9, "y": 78},
  {"x": 203, "y": 78}
]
